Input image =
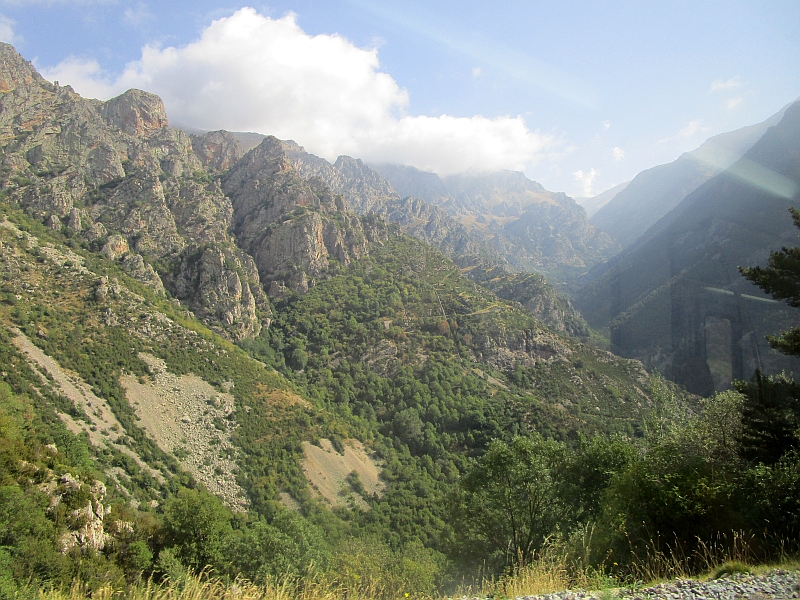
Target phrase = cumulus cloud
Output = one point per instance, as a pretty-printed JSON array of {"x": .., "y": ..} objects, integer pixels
[
  {"x": 248, "y": 72},
  {"x": 586, "y": 180},
  {"x": 618, "y": 153},
  {"x": 718, "y": 85},
  {"x": 86, "y": 76},
  {"x": 606, "y": 124}
]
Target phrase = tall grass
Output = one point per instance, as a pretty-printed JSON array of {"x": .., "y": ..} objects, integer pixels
[
  {"x": 558, "y": 567},
  {"x": 660, "y": 560}
]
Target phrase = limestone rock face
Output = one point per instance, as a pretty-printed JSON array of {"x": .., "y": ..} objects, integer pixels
[
  {"x": 138, "y": 209},
  {"x": 85, "y": 522},
  {"x": 217, "y": 150},
  {"x": 116, "y": 247},
  {"x": 135, "y": 266},
  {"x": 135, "y": 112},
  {"x": 133, "y": 188},
  {"x": 292, "y": 227},
  {"x": 222, "y": 287},
  {"x": 201, "y": 211}
]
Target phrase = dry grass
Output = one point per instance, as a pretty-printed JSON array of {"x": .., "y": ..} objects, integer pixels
[
  {"x": 551, "y": 571},
  {"x": 663, "y": 561}
]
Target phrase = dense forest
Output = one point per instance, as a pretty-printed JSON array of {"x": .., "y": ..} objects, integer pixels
[{"x": 484, "y": 467}]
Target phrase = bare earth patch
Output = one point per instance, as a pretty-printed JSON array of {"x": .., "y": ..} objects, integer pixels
[
  {"x": 327, "y": 471},
  {"x": 187, "y": 417},
  {"x": 102, "y": 428}
]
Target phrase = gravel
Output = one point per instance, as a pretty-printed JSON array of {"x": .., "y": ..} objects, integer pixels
[{"x": 774, "y": 584}]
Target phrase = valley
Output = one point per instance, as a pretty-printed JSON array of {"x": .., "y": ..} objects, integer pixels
[{"x": 219, "y": 351}]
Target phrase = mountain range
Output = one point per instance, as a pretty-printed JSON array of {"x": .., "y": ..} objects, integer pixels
[
  {"x": 656, "y": 191},
  {"x": 675, "y": 298},
  {"x": 186, "y": 313}
]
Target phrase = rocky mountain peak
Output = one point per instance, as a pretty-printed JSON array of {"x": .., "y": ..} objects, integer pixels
[
  {"x": 217, "y": 150},
  {"x": 266, "y": 159},
  {"x": 16, "y": 71},
  {"x": 135, "y": 112}
]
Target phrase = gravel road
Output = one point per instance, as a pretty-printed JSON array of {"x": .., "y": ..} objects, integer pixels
[{"x": 774, "y": 584}]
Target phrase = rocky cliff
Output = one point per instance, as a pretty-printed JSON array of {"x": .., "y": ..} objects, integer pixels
[
  {"x": 295, "y": 229},
  {"x": 533, "y": 229},
  {"x": 120, "y": 179}
]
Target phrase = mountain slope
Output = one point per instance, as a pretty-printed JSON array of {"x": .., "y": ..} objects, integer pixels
[
  {"x": 655, "y": 192},
  {"x": 533, "y": 229},
  {"x": 676, "y": 300},
  {"x": 594, "y": 203}
]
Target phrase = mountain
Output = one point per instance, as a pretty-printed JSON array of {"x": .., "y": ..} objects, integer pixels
[
  {"x": 367, "y": 192},
  {"x": 208, "y": 362},
  {"x": 533, "y": 229},
  {"x": 675, "y": 298},
  {"x": 594, "y": 203},
  {"x": 134, "y": 254},
  {"x": 655, "y": 192}
]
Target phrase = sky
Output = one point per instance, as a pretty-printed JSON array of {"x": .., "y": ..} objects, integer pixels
[{"x": 580, "y": 96}]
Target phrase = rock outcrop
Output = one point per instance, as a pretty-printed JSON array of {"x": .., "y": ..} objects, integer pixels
[
  {"x": 222, "y": 287},
  {"x": 118, "y": 175},
  {"x": 217, "y": 150},
  {"x": 293, "y": 228}
]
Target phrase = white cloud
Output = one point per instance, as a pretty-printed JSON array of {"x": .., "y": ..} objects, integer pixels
[
  {"x": 618, "y": 153},
  {"x": 732, "y": 83},
  {"x": 7, "y": 34},
  {"x": 688, "y": 131},
  {"x": 136, "y": 16},
  {"x": 733, "y": 103},
  {"x": 586, "y": 179},
  {"x": 476, "y": 72},
  {"x": 248, "y": 72},
  {"x": 84, "y": 75},
  {"x": 606, "y": 124}
]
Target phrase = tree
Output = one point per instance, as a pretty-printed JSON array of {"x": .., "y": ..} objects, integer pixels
[
  {"x": 770, "y": 417},
  {"x": 197, "y": 525},
  {"x": 782, "y": 280},
  {"x": 772, "y": 410},
  {"x": 513, "y": 499}
]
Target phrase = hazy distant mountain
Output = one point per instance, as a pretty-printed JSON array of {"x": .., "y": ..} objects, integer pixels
[
  {"x": 676, "y": 300},
  {"x": 654, "y": 192},
  {"x": 594, "y": 203},
  {"x": 534, "y": 229}
]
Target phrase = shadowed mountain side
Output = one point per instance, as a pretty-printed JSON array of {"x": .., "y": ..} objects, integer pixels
[
  {"x": 594, "y": 203},
  {"x": 676, "y": 300},
  {"x": 654, "y": 192}
]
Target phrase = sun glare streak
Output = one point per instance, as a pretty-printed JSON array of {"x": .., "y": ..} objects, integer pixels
[
  {"x": 747, "y": 171},
  {"x": 513, "y": 63}
]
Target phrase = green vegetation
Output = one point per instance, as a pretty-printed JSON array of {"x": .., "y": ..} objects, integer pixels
[{"x": 509, "y": 455}]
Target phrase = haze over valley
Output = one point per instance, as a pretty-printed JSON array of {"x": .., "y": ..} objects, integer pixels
[{"x": 372, "y": 301}]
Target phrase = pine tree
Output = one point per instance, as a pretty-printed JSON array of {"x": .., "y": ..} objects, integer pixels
[
  {"x": 771, "y": 414},
  {"x": 782, "y": 280},
  {"x": 770, "y": 417}
]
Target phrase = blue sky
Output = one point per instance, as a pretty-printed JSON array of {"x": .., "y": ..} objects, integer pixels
[{"x": 579, "y": 95}]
